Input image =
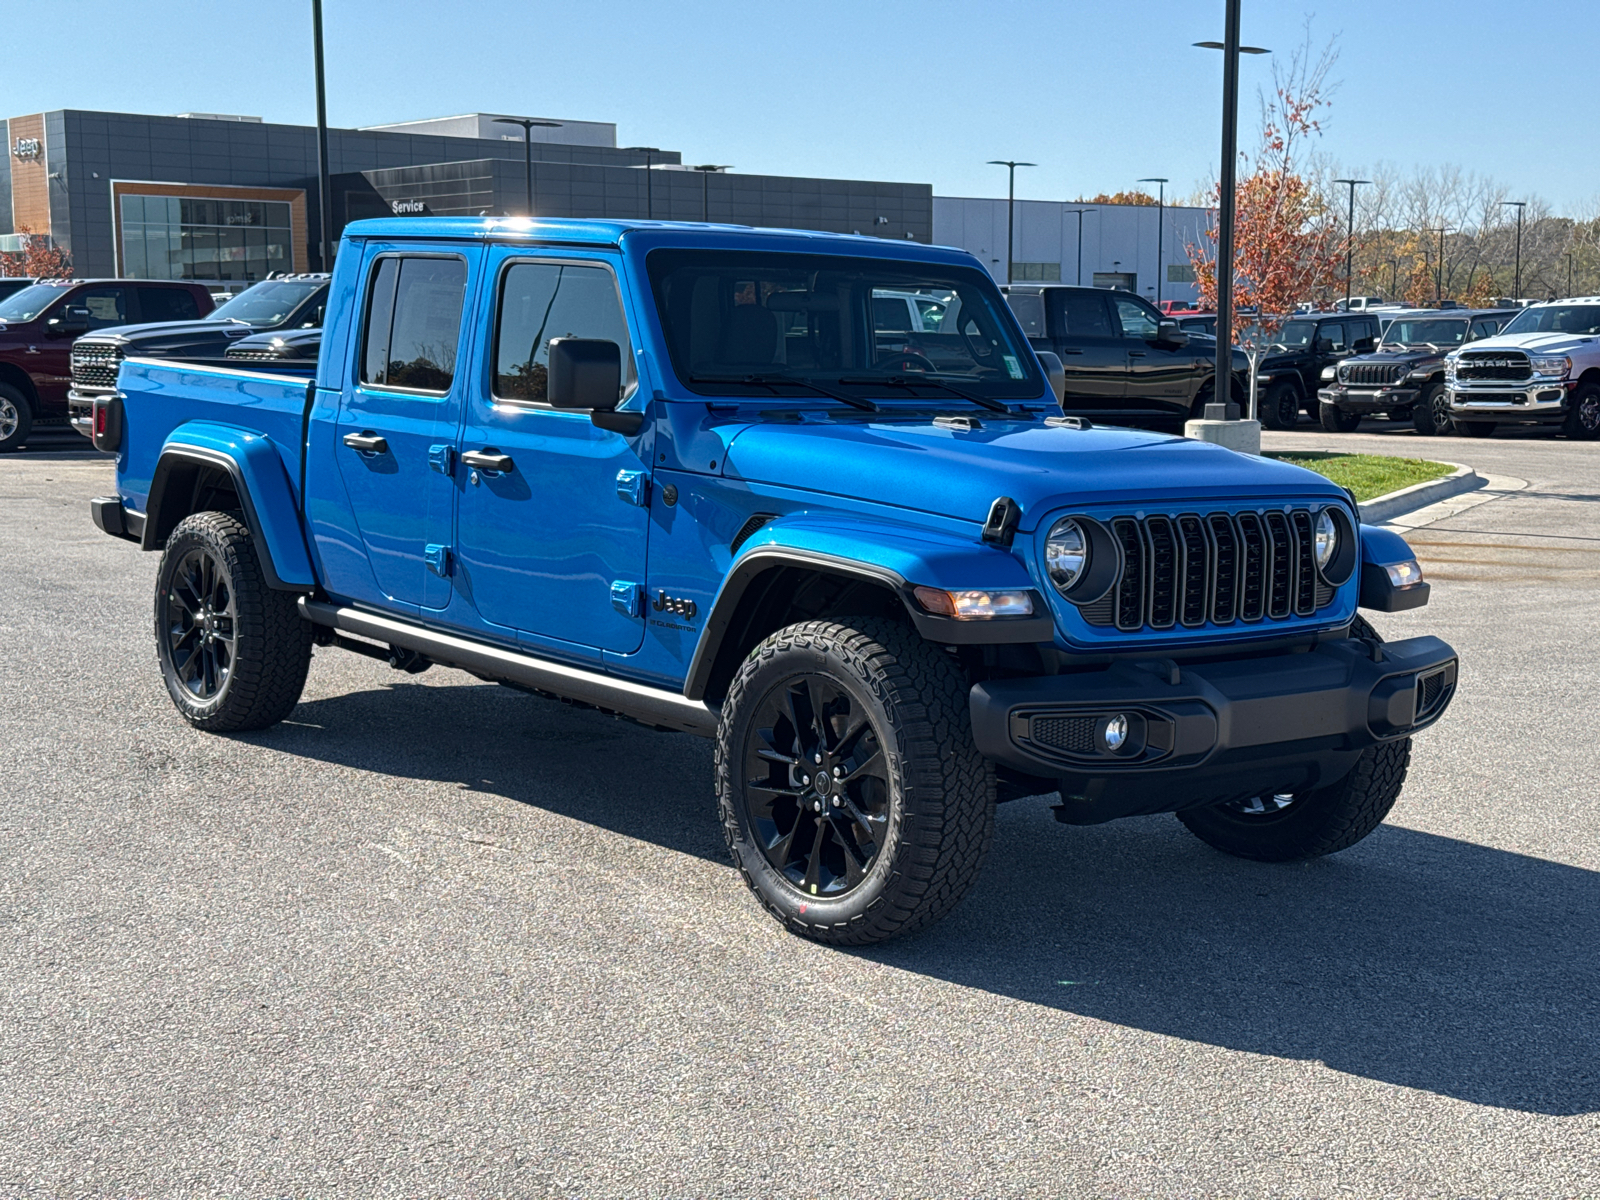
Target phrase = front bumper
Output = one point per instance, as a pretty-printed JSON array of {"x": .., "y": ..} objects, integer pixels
[
  {"x": 1369, "y": 400},
  {"x": 1206, "y": 734},
  {"x": 1536, "y": 402}
]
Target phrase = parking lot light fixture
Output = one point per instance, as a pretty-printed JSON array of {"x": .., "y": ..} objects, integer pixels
[
  {"x": 1350, "y": 243},
  {"x": 1011, "y": 204},
  {"x": 528, "y": 125},
  {"x": 1080, "y": 212},
  {"x": 1438, "y": 283},
  {"x": 706, "y": 171},
  {"x": 1161, "y": 204},
  {"x": 1519, "y": 205},
  {"x": 649, "y": 153}
]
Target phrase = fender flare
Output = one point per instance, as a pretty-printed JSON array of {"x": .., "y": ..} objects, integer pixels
[
  {"x": 253, "y": 464},
  {"x": 775, "y": 554}
]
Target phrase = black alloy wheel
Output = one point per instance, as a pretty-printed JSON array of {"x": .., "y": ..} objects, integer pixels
[
  {"x": 1430, "y": 416},
  {"x": 1336, "y": 420},
  {"x": 1281, "y": 407},
  {"x": 816, "y": 785},
  {"x": 1583, "y": 414},
  {"x": 198, "y": 615},
  {"x": 16, "y": 418}
]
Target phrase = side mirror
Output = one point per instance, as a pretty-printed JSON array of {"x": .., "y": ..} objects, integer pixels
[
  {"x": 1055, "y": 373},
  {"x": 1364, "y": 345},
  {"x": 74, "y": 319},
  {"x": 1168, "y": 333},
  {"x": 587, "y": 373}
]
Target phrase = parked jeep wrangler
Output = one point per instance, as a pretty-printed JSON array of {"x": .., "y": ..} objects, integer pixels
[
  {"x": 1302, "y": 349},
  {"x": 677, "y": 474}
]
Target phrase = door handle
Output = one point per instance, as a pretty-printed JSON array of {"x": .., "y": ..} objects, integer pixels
[
  {"x": 1069, "y": 351},
  {"x": 1136, "y": 353},
  {"x": 366, "y": 443},
  {"x": 488, "y": 460}
]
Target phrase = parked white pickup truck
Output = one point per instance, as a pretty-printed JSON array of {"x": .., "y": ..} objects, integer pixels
[{"x": 1542, "y": 368}]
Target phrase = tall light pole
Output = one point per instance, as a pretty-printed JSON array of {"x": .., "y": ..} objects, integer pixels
[
  {"x": 1231, "y": 49},
  {"x": 1080, "y": 212},
  {"x": 706, "y": 171},
  {"x": 1161, "y": 204},
  {"x": 1569, "y": 273},
  {"x": 649, "y": 192},
  {"x": 1438, "y": 284},
  {"x": 1350, "y": 244},
  {"x": 528, "y": 126},
  {"x": 324, "y": 196},
  {"x": 1011, "y": 204},
  {"x": 1519, "y": 205}
]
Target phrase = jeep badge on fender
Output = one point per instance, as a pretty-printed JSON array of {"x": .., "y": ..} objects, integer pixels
[{"x": 675, "y": 605}]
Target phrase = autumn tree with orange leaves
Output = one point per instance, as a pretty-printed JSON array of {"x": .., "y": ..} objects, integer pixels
[
  {"x": 39, "y": 258},
  {"x": 1287, "y": 244}
]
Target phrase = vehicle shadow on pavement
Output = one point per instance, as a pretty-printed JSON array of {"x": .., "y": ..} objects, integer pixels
[{"x": 1411, "y": 959}]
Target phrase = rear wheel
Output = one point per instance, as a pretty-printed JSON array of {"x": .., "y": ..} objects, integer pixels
[
  {"x": 16, "y": 418},
  {"x": 1281, "y": 408},
  {"x": 1476, "y": 428},
  {"x": 1336, "y": 420},
  {"x": 1583, "y": 414},
  {"x": 233, "y": 652},
  {"x": 1430, "y": 416}
]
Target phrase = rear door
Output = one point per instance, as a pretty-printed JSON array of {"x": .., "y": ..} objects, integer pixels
[
  {"x": 549, "y": 546},
  {"x": 1091, "y": 352},
  {"x": 399, "y": 419}
]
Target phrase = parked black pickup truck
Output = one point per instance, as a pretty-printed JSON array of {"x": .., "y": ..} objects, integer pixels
[
  {"x": 1303, "y": 348},
  {"x": 1125, "y": 363},
  {"x": 1405, "y": 377}
]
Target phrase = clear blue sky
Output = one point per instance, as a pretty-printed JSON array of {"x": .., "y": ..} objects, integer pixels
[{"x": 1097, "y": 93}]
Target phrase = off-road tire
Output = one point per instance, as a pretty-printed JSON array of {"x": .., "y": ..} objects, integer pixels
[
  {"x": 1320, "y": 821},
  {"x": 1280, "y": 409},
  {"x": 271, "y": 641},
  {"x": 1477, "y": 428},
  {"x": 16, "y": 418},
  {"x": 1334, "y": 420},
  {"x": 1583, "y": 414},
  {"x": 1430, "y": 415},
  {"x": 941, "y": 793}
]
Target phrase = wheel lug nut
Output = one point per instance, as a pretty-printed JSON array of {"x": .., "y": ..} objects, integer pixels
[
  {"x": 817, "y": 807},
  {"x": 836, "y": 802},
  {"x": 838, "y": 771},
  {"x": 817, "y": 758},
  {"x": 805, "y": 781}
]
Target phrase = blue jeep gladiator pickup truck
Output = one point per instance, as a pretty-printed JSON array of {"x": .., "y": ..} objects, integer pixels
[{"x": 673, "y": 473}]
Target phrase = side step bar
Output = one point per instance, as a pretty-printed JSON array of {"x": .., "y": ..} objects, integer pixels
[{"x": 651, "y": 705}]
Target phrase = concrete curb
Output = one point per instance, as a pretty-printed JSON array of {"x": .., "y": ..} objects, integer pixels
[{"x": 1420, "y": 495}]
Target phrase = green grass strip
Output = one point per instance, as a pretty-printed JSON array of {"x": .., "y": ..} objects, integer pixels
[{"x": 1367, "y": 475}]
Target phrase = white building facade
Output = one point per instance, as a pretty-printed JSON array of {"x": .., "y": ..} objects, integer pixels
[{"x": 1120, "y": 247}]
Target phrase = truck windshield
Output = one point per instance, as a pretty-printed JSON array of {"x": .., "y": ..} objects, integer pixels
[
  {"x": 743, "y": 322},
  {"x": 1547, "y": 318},
  {"x": 30, "y": 301},
  {"x": 1433, "y": 332},
  {"x": 268, "y": 303}
]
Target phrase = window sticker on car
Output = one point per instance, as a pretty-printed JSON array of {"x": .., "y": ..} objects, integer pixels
[{"x": 1013, "y": 367}]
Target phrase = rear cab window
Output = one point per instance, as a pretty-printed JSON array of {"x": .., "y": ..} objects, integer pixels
[
  {"x": 1029, "y": 310},
  {"x": 412, "y": 327},
  {"x": 167, "y": 304}
]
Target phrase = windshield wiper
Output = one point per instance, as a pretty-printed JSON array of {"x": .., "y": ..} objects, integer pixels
[
  {"x": 767, "y": 381},
  {"x": 907, "y": 381}
]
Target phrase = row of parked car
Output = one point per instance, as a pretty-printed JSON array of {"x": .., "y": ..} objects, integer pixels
[{"x": 62, "y": 340}]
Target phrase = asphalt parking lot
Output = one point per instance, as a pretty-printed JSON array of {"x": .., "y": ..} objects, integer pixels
[{"x": 434, "y": 937}]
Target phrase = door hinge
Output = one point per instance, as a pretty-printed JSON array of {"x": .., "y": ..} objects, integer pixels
[
  {"x": 634, "y": 487},
  {"x": 442, "y": 459},
  {"x": 627, "y": 597},
  {"x": 438, "y": 559}
]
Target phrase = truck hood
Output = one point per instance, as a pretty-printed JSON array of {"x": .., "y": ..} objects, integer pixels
[
  {"x": 1535, "y": 343},
  {"x": 1405, "y": 357},
  {"x": 960, "y": 473},
  {"x": 167, "y": 336}
]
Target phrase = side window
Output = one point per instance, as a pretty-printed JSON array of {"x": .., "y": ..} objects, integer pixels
[
  {"x": 1029, "y": 310},
  {"x": 932, "y": 313},
  {"x": 540, "y": 301},
  {"x": 1334, "y": 333},
  {"x": 1482, "y": 329},
  {"x": 413, "y": 323},
  {"x": 1137, "y": 321},
  {"x": 890, "y": 315},
  {"x": 167, "y": 304},
  {"x": 107, "y": 306},
  {"x": 1083, "y": 313}
]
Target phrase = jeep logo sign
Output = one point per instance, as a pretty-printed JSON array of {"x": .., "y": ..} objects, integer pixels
[{"x": 27, "y": 148}]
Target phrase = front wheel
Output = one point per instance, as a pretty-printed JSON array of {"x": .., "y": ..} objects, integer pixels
[
  {"x": 853, "y": 799},
  {"x": 233, "y": 652},
  {"x": 1336, "y": 420},
  {"x": 16, "y": 418},
  {"x": 1430, "y": 416},
  {"x": 1583, "y": 414},
  {"x": 1281, "y": 408}
]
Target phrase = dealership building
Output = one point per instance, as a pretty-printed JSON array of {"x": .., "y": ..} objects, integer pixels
[{"x": 212, "y": 197}]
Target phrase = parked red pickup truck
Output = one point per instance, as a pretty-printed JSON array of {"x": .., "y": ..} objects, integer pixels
[{"x": 38, "y": 324}]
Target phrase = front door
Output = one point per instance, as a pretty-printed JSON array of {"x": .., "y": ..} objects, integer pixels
[
  {"x": 548, "y": 543},
  {"x": 1160, "y": 375},
  {"x": 398, "y": 425},
  {"x": 1091, "y": 353}
]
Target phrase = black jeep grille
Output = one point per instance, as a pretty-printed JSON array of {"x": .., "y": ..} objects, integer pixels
[
  {"x": 1218, "y": 567},
  {"x": 1372, "y": 374},
  {"x": 94, "y": 365},
  {"x": 1493, "y": 364}
]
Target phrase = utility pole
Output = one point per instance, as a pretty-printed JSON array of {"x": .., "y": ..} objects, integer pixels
[
  {"x": 706, "y": 171},
  {"x": 324, "y": 196},
  {"x": 1438, "y": 284},
  {"x": 1350, "y": 244},
  {"x": 1161, "y": 204},
  {"x": 1011, "y": 205},
  {"x": 1080, "y": 212},
  {"x": 1519, "y": 205},
  {"x": 528, "y": 126},
  {"x": 649, "y": 191}
]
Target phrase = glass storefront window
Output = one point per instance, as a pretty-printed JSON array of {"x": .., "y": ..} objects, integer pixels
[{"x": 183, "y": 237}]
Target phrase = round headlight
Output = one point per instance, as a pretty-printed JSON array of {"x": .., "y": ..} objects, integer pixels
[
  {"x": 1327, "y": 538},
  {"x": 1066, "y": 553}
]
